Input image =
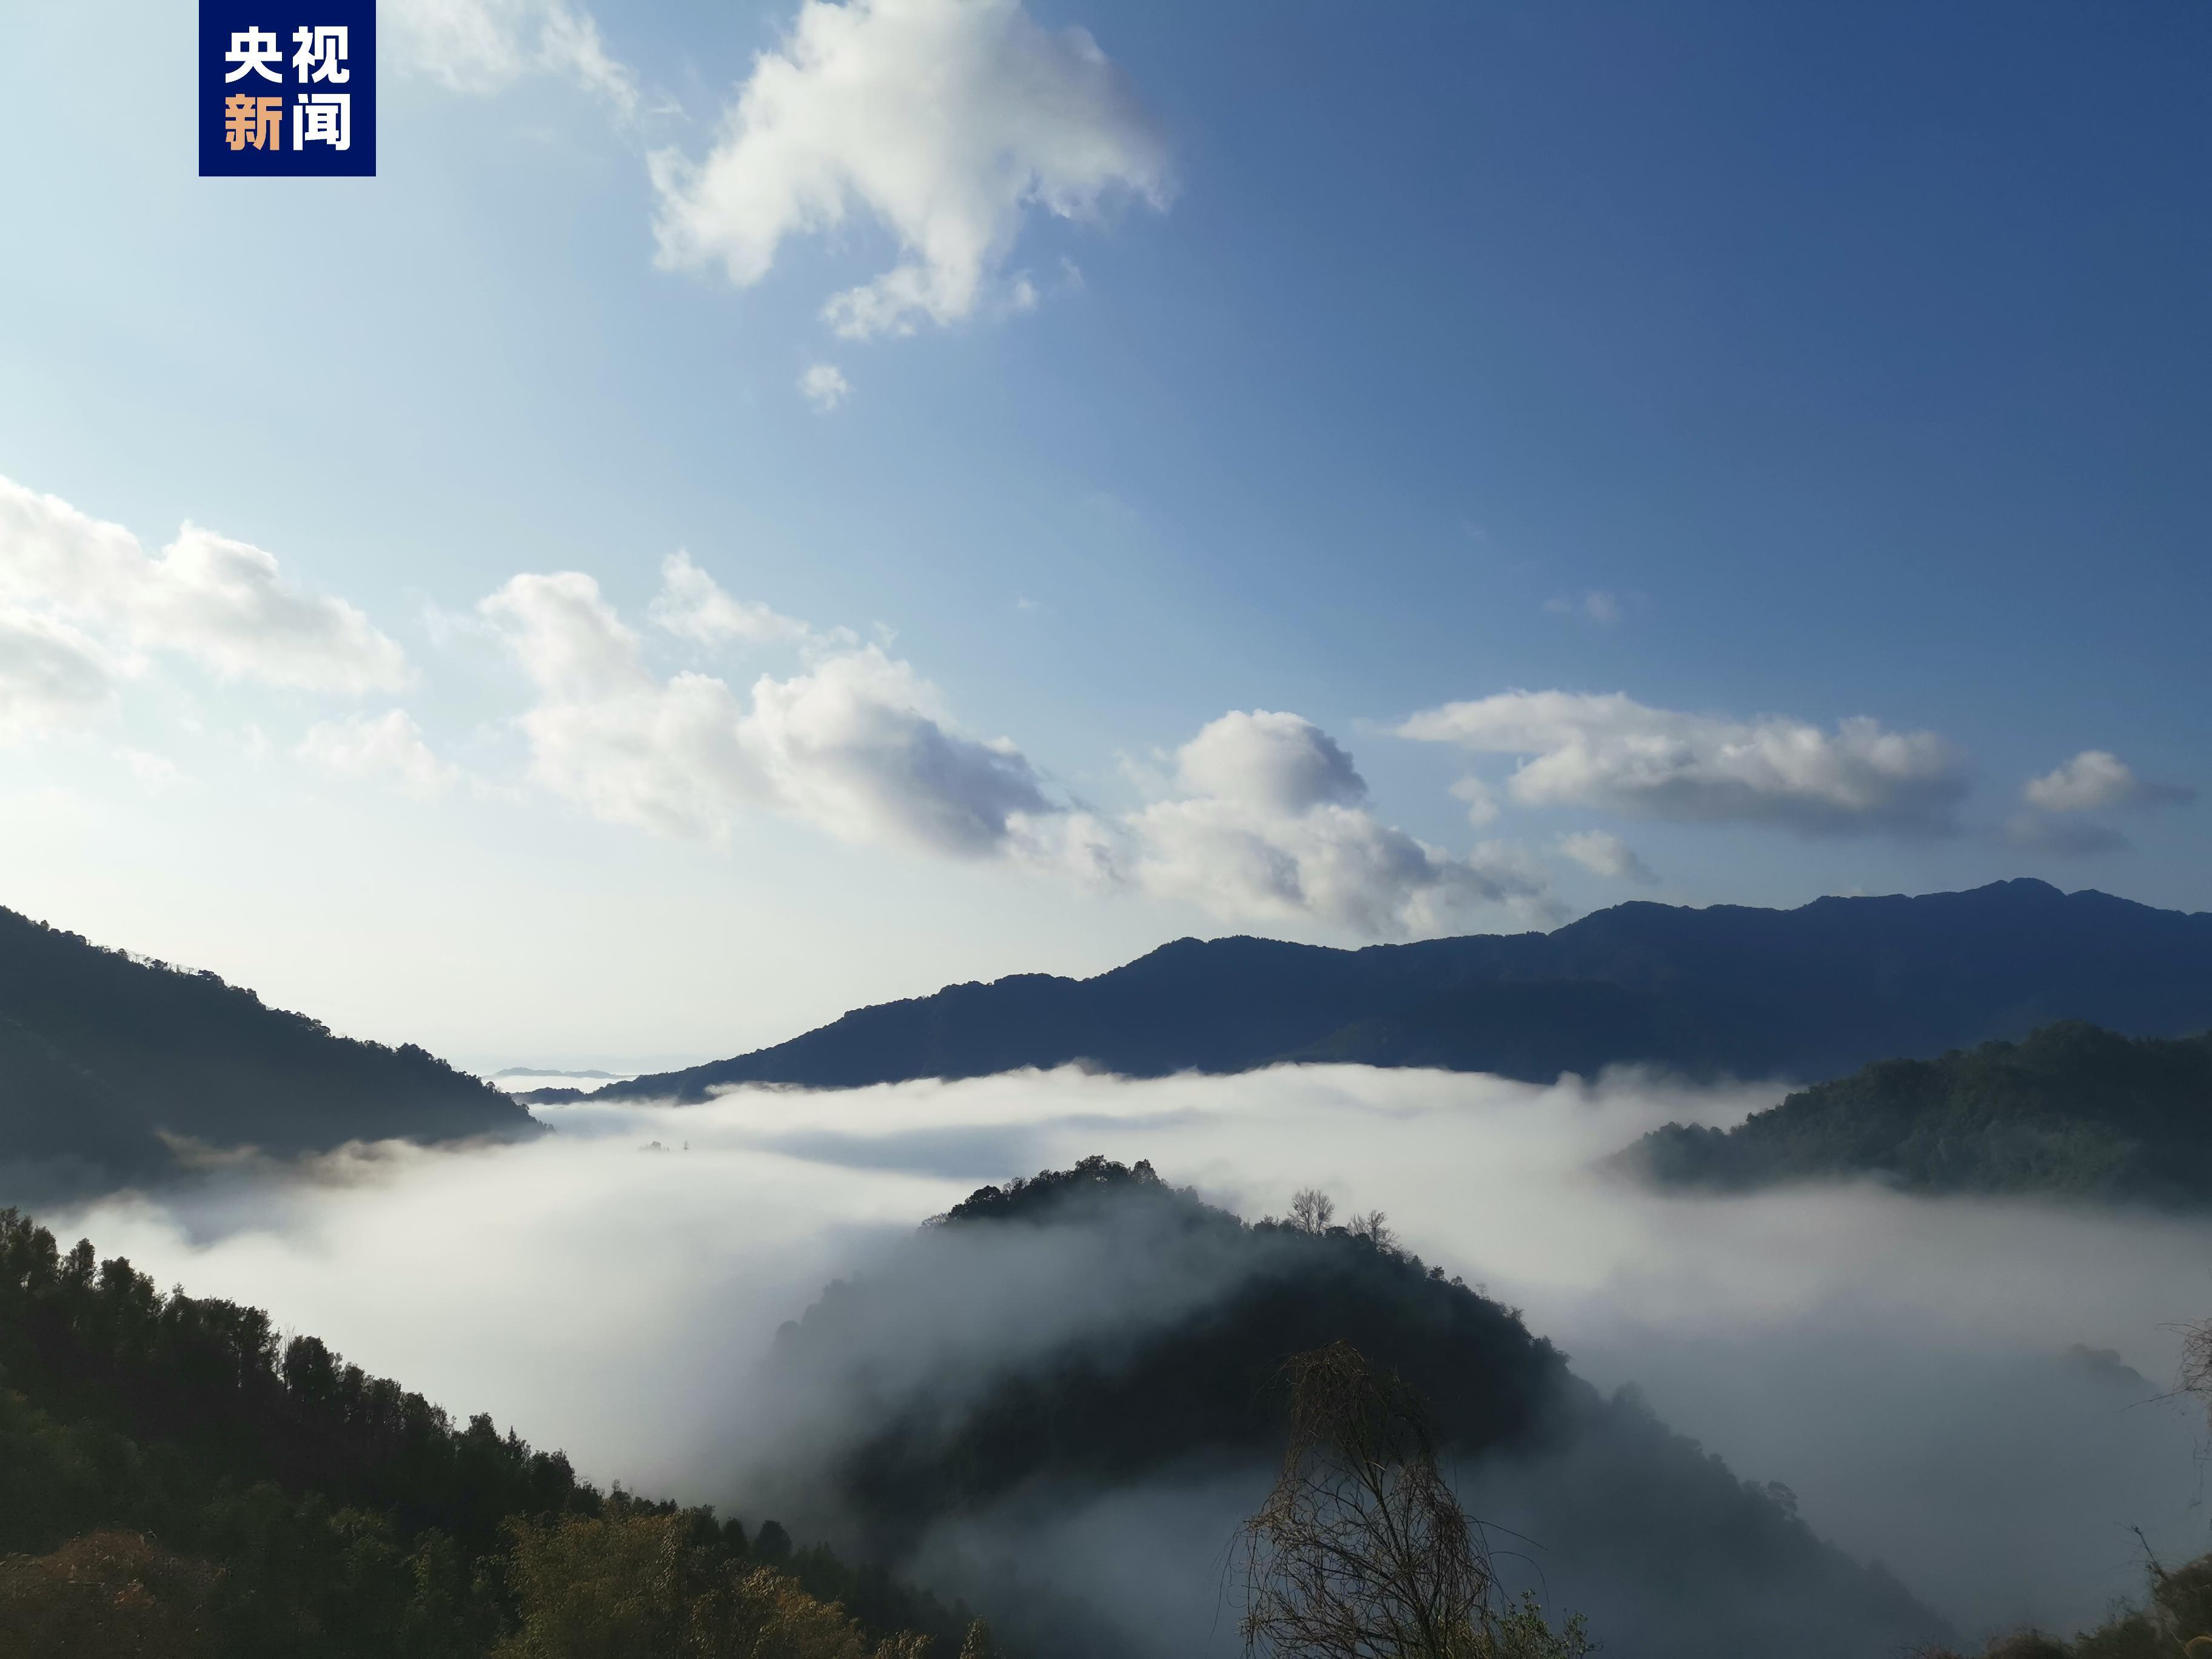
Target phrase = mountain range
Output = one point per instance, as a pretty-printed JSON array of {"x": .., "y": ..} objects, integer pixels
[
  {"x": 109, "y": 1062},
  {"x": 1729, "y": 990}
]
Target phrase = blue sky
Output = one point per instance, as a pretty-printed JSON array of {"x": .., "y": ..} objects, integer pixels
[{"x": 1806, "y": 409}]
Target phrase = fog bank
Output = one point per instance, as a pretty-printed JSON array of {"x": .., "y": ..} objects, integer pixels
[{"x": 1905, "y": 1366}]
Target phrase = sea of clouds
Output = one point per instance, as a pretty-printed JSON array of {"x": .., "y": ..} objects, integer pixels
[{"x": 1969, "y": 1391}]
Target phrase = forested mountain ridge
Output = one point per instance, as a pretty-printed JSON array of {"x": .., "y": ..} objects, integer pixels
[
  {"x": 102, "y": 1053},
  {"x": 1729, "y": 990},
  {"x": 2071, "y": 1111}
]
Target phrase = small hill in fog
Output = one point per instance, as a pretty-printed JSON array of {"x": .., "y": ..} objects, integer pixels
[
  {"x": 1726, "y": 991},
  {"x": 101, "y": 1055},
  {"x": 1094, "y": 1343},
  {"x": 2071, "y": 1111}
]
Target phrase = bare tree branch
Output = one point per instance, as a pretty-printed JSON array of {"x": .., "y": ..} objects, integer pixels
[{"x": 1362, "y": 1550}]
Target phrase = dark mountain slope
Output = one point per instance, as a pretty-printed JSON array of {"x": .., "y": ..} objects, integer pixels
[
  {"x": 98, "y": 1053},
  {"x": 1729, "y": 990},
  {"x": 2073, "y": 1111},
  {"x": 1094, "y": 1332}
]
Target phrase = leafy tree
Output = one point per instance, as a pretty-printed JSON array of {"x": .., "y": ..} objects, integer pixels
[{"x": 630, "y": 1585}]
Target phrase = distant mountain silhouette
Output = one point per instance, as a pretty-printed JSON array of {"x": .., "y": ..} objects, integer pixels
[
  {"x": 1730, "y": 990},
  {"x": 101, "y": 1054},
  {"x": 2073, "y": 1111}
]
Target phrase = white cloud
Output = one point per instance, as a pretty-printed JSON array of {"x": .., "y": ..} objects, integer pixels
[
  {"x": 1266, "y": 818},
  {"x": 604, "y": 732},
  {"x": 54, "y": 556},
  {"x": 692, "y": 607},
  {"x": 1606, "y": 854},
  {"x": 484, "y": 46},
  {"x": 943, "y": 120},
  {"x": 1612, "y": 752},
  {"x": 51, "y": 678},
  {"x": 384, "y": 748},
  {"x": 826, "y": 387},
  {"x": 85, "y": 599},
  {"x": 224, "y": 604},
  {"x": 2097, "y": 778},
  {"x": 858, "y": 745},
  {"x": 1272, "y": 827},
  {"x": 1276, "y": 762},
  {"x": 1481, "y": 800}
]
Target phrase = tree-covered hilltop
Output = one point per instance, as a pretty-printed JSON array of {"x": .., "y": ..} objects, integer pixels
[
  {"x": 2071, "y": 1111},
  {"x": 175, "y": 1481},
  {"x": 1111, "y": 1330},
  {"x": 102, "y": 1055}
]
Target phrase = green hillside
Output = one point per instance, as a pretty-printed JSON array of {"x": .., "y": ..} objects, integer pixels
[
  {"x": 178, "y": 1483},
  {"x": 2071, "y": 1111}
]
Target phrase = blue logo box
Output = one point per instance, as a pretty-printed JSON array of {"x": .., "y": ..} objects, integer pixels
[{"x": 287, "y": 89}]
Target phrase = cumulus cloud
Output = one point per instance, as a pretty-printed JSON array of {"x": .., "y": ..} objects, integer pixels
[
  {"x": 1272, "y": 825},
  {"x": 1262, "y": 816},
  {"x": 485, "y": 46},
  {"x": 1481, "y": 800},
  {"x": 1612, "y": 752},
  {"x": 940, "y": 120},
  {"x": 2095, "y": 779},
  {"x": 692, "y": 605},
  {"x": 858, "y": 745},
  {"x": 825, "y": 385},
  {"x": 1603, "y": 854},
  {"x": 224, "y": 604},
  {"x": 1279, "y": 763},
  {"x": 386, "y": 748},
  {"x": 82, "y": 603},
  {"x": 50, "y": 676}
]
